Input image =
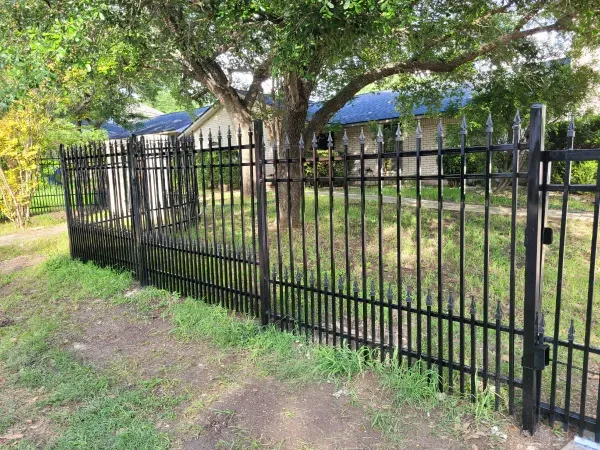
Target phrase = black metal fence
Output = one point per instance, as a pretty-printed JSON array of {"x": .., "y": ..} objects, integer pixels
[
  {"x": 359, "y": 265},
  {"x": 49, "y": 195}
]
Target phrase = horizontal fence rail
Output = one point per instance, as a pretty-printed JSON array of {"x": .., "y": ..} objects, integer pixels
[{"x": 320, "y": 241}]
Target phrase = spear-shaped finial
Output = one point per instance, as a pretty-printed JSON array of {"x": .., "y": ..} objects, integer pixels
[
  {"x": 345, "y": 138},
  {"x": 517, "y": 120},
  {"x": 274, "y": 275},
  {"x": 498, "y": 311},
  {"x": 450, "y": 302},
  {"x": 390, "y": 294},
  {"x": 463, "y": 126},
  {"x": 312, "y": 278},
  {"x": 341, "y": 283},
  {"x": 239, "y": 131},
  {"x": 440, "y": 129},
  {"x": 326, "y": 282},
  {"x": 314, "y": 140},
  {"x": 419, "y": 132},
  {"x": 209, "y": 134},
  {"x": 379, "y": 134},
  {"x": 219, "y": 132},
  {"x": 286, "y": 142},
  {"x": 228, "y": 131},
  {"x": 361, "y": 136},
  {"x": 489, "y": 125},
  {"x": 355, "y": 287},
  {"x": 429, "y": 299},
  {"x": 298, "y": 276},
  {"x": 472, "y": 305},
  {"x": 399, "y": 136},
  {"x": 572, "y": 331},
  {"x": 408, "y": 295},
  {"x": 372, "y": 291},
  {"x": 285, "y": 273},
  {"x": 301, "y": 143},
  {"x": 571, "y": 129},
  {"x": 329, "y": 140}
]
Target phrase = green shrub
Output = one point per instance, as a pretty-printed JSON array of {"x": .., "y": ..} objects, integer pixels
[
  {"x": 323, "y": 167},
  {"x": 587, "y": 135}
]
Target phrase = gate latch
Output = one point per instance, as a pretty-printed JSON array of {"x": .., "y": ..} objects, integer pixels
[
  {"x": 541, "y": 356},
  {"x": 547, "y": 236}
]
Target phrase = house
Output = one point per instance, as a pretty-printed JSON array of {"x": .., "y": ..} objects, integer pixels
[
  {"x": 156, "y": 126},
  {"x": 358, "y": 114}
]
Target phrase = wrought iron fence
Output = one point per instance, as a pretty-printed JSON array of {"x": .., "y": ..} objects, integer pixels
[
  {"x": 453, "y": 286},
  {"x": 49, "y": 195}
]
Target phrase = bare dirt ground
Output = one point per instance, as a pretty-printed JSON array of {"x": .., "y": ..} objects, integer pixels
[
  {"x": 20, "y": 263},
  {"x": 32, "y": 234},
  {"x": 231, "y": 406}
]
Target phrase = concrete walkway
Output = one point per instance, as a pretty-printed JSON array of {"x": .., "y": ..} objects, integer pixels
[{"x": 553, "y": 214}]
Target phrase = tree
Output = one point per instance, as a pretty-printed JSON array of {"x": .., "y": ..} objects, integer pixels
[
  {"x": 334, "y": 48},
  {"x": 78, "y": 52},
  {"x": 501, "y": 91},
  {"x": 27, "y": 132}
]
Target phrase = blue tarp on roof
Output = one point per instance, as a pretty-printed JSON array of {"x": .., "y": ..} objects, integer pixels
[{"x": 380, "y": 106}]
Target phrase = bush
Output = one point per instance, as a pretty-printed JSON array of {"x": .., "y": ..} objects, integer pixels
[
  {"x": 323, "y": 167},
  {"x": 587, "y": 135}
]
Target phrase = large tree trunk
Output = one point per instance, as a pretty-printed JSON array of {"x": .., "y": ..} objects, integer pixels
[{"x": 294, "y": 126}]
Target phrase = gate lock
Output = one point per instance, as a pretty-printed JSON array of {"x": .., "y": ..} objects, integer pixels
[
  {"x": 541, "y": 356},
  {"x": 547, "y": 236}
]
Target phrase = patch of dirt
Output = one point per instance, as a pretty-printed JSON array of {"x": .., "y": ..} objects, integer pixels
[
  {"x": 269, "y": 411},
  {"x": 32, "y": 234},
  {"x": 143, "y": 343},
  {"x": 229, "y": 406},
  {"x": 20, "y": 263}
]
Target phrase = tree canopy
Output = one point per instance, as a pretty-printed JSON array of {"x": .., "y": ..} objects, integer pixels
[
  {"x": 333, "y": 49},
  {"x": 78, "y": 52}
]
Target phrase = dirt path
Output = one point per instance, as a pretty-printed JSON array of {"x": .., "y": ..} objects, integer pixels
[{"x": 32, "y": 234}]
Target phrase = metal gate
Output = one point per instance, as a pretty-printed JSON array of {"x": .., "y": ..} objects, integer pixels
[{"x": 571, "y": 358}]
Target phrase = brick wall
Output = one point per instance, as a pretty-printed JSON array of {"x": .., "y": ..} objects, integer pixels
[{"x": 429, "y": 142}]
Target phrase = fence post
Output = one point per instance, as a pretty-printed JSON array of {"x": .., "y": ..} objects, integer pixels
[
  {"x": 263, "y": 239},
  {"x": 67, "y": 195},
  {"x": 135, "y": 211},
  {"x": 534, "y": 252}
]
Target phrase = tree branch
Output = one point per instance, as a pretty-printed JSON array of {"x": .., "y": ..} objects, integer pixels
[
  {"x": 324, "y": 114},
  {"x": 261, "y": 73}
]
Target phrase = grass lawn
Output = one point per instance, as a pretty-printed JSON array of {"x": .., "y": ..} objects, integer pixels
[
  {"x": 286, "y": 253},
  {"x": 475, "y": 195},
  {"x": 90, "y": 360}
]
